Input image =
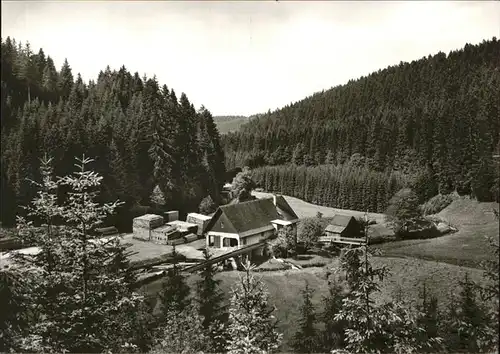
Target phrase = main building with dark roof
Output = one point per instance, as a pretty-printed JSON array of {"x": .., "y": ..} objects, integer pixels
[{"x": 246, "y": 223}]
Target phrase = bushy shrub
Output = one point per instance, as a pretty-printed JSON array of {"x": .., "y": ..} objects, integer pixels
[
  {"x": 420, "y": 229},
  {"x": 207, "y": 206},
  {"x": 437, "y": 203},
  {"x": 309, "y": 230}
]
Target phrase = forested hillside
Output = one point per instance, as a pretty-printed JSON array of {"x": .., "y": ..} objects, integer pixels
[
  {"x": 434, "y": 120},
  {"x": 218, "y": 119},
  {"x": 228, "y": 124},
  {"x": 140, "y": 134}
]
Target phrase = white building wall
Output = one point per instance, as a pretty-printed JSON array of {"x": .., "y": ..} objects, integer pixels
[{"x": 250, "y": 240}]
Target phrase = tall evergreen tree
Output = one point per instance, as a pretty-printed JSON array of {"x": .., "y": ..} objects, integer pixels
[
  {"x": 211, "y": 307},
  {"x": 252, "y": 327},
  {"x": 175, "y": 291},
  {"x": 75, "y": 296},
  {"x": 306, "y": 338},
  {"x": 332, "y": 337}
]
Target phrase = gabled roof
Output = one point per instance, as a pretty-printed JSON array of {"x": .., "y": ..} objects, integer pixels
[
  {"x": 339, "y": 223},
  {"x": 247, "y": 216},
  {"x": 342, "y": 220},
  {"x": 288, "y": 212},
  {"x": 335, "y": 229}
]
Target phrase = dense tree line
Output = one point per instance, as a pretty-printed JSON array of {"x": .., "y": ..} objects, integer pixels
[
  {"x": 143, "y": 134},
  {"x": 78, "y": 295},
  {"x": 437, "y": 114},
  {"x": 345, "y": 186},
  {"x": 349, "y": 319}
]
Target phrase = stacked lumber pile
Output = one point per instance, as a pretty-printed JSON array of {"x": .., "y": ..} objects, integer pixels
[
  {"x": 175, "y": 242},
  {"x": 172, "y": 215},
  {"x": 200, "y": 220},
  {"x": 143, "y": 225},
  {"x": 161, "y": 235},
  {"x": 191, "y": 238}
]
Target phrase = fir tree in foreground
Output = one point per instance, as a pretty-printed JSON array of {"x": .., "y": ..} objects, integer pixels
[
  {"x": 252, "y": 326},
  {"x": 306, "y": 338},
  {"x": 428, "y": 320},
  {"x": 181, "y": 332},
  {"x": 371, "y": 327},
  {"x": 211, "y": 309},
  {"x": 175, "y": 292},
  {"x": 333, "y": 336},
  {"x": 467, "y": 326},
  {"x": 75, "y": 298}
]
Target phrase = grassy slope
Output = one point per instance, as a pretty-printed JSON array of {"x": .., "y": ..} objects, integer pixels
[
  {"x": 469, "y": 246},
  {"x": 229, "y": 124},
  {"x": 304, "y": 209},
  {"x": 405, "y": 278}
]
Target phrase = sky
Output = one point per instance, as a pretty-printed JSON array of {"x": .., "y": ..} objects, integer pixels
[{"x": 246, "y": 57}]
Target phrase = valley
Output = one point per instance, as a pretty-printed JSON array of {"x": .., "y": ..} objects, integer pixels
[{"x": 360, "y": 219}]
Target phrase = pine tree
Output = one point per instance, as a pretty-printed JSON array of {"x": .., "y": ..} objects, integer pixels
[
  {"x": 490, "y": 291},
  {"x": 468, "y": 323},
  {"x": 162, "y": 150},
  {"x": 252, "y": 327},
  {"x": 175, "y": 291},
  {"x": 181, "y": 332},
  {"x": 306, "y": 338},
  {"x": 157, "y": 197},
  {"x": 211, "y": 309},
  {"x": 333, "y": 336},
  {"x": 74, "y": 284},
  {"x": 65, "y": 80},
  {"x": 429, "y": 320},
  {"x": 12, "y": 312},
  {"x": 370, "y": 327}
]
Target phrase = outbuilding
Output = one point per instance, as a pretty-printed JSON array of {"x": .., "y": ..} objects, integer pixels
[{"x": 343, "y": 226}]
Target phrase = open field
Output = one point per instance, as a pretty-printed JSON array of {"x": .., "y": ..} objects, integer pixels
[
  {"x": 306, "y": 210},
  {"x": 468, "y": 247},
  {"x": 230, "y": 125},
  {"x": 407, "y": 275}
]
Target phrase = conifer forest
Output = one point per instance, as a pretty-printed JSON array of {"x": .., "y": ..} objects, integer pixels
[
  {"x": 143, "y": 134},
  {"x": 410, "y": 151},
  {"x": 432, "y": 123}
]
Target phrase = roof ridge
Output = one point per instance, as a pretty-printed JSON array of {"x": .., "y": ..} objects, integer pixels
[{"x": 245, "y": 202}]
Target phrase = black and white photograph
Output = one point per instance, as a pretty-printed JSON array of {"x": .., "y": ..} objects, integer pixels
[{"x": 249, "y": 177}]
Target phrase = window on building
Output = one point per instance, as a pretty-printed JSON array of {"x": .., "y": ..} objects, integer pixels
[{"x": 221, "y": 225}]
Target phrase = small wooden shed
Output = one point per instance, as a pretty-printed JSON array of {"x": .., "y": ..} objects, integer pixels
[{"x": 343, "y": 226}]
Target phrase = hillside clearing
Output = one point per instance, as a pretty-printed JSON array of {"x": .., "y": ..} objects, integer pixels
[
  {"x": 306, "y": 210},
  {"x": 405, "y": 280},
  {"x": 467, "y": 247},
  {"x": 231, "y": 124}
]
